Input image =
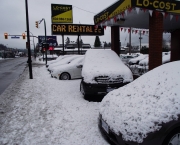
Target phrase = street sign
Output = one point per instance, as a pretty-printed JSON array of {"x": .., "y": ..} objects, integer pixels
[{"x": 15, "y": 37}]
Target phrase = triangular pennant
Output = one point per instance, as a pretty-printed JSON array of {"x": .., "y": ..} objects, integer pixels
[
  {"x": 136, "y": 31},
  {"x": 156, "y": 13},
  {"x": 119, "y": 16},
  {"x": 128, "y": 30},
  {"x": 150, "y": 12},
  {"x": 126, "y": 12},
  {"x": 122, "y": 14},
  {"x": 115, "y": 19},
  {"x": 146, "y": 32},
  {"x": 112, "y": 21},
  {"x": 101, "y": 25},
  {"x": 105, "y": 27},
  {"x": 144, "y": 9},
  {"x": 124, "y": 29},
  {"x": 163, "y": 14},
  {"x": 177, "y": 17},
  {"x": 137, "y": 10},
  {"x": 132, "y": 31},
  {"x": 140, "y": 31},
  {"x": 130, "y": 9},
  {"x": 171, "y": 16},
  {"x": 166, "y": 14},
  {"x": 106, "y": 23},
  {"x": 143, "y": 32},
  {"x": 121, "y": 29}
]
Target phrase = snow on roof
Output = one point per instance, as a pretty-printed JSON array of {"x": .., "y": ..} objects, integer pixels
[
  {"x": 102, "y": 62},
  {"x": 143, "y": 105},
  {"x": 139, "y": 58}
]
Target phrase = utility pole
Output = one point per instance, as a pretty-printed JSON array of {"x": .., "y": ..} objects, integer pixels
[
  {"x": 130, "y": 41},
  {"x": 28, "y": 42},
  {"x": 140, "y": 40}
]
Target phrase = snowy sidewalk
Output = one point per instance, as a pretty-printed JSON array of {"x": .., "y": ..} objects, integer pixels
[{"x": 47, "y": 111}]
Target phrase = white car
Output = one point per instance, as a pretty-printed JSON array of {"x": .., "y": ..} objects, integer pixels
[
  {"x": 69, "y": 71},
  {"x": 63, "y": 61},
  {"x": 137, "y": 59}
]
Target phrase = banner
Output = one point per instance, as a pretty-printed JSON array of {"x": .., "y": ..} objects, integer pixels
[
  {"x": 76, "y": 29},
  {"x": 61, "y": 13}
]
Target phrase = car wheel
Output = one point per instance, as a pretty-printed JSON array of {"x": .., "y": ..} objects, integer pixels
[
  {"x": 173, "y": 138},
  {"x": 64, "y": 76}
]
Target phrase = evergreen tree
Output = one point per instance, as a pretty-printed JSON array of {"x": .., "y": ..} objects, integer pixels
[
  {"x": 97, "y": 42},
  {"x": 80, "y": 41},
  {"x": 67, "y": 41}
]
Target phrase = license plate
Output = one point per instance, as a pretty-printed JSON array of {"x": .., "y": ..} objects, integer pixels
[{"x": 105, "y": 126}]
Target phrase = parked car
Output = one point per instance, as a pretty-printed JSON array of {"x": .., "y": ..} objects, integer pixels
[
  {"x": 69, "y": 71},
  {"x": 49, "y": 57},
  {"x": 146, "y": 111},
  {"x": 125, "y": 58},
  {"x": 136, "y": 60},
  {"x": 103, "y": 71},
  {"x": 63, "y": 61},
  {"x": 57, "y": 59}
]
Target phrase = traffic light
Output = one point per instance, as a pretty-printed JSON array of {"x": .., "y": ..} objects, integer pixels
[
  {"x": 23, "y": 36},
  {"x": 37, "y": 24},
  {"x": 6, "y": 35}
]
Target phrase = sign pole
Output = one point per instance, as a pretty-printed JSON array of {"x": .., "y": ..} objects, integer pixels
[{"x": 28, "y": 42}]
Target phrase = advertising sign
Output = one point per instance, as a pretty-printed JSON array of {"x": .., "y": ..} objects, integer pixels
[
  {"x": 113, "y": 10},
  {"x": 61, "y": 13},
  {"x": 51, "y": 40},
  {"x": 76, "y": 29},
  {"x": 171, "y": 6}
]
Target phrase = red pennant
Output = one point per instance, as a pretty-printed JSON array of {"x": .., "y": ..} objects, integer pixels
[
  {"x": 166, "y": 14},
  {"x": 122, "y": 14},
  {"x": 130, "y": 9},
  {"x": 115, "y": 19},
  {"x": 136, "y": 31},
  {"x": 128, "y": 30},
  {"x": 143, "y": 32},
  {"x": 105, "y": 27},
  {"x": 144, "y": 9},
  {"x": 121, "y": 29},
  {"x": 156, "y": 13},
  {"x": 177, "y": 17}
]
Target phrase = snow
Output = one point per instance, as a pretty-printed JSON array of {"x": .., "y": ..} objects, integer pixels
[
  {"x": 47, "y": 111},
  {"x": 143, "y": 105},
  {"x": 139, "y": 58},
  {"x": 102, "y": 62}
]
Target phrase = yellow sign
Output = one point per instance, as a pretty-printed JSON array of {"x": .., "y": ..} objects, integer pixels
[{"x": 61, "y": 13}]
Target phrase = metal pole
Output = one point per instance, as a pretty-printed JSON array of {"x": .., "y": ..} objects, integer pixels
[
  {"x": 78, "y": 45},
  {"x": 63, "y": 43},
  {"x": 28, "y": 41},
  {"x": 130, "y": 41},
  {"x": 45, "y": 39}
]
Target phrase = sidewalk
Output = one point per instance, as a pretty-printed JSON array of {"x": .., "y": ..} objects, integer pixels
[{"x": 47, "y": 111}]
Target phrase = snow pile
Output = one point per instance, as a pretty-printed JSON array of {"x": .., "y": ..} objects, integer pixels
[
  {"x": 143, "y": 105},
  {"x": 104, "y": 63}
]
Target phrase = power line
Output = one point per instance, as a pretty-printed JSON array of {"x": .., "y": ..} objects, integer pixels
[{"x": 84, "y": 10}]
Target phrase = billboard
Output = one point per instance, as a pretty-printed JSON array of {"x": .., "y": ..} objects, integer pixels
[
  {"x": 61, "y": 13},
  {"x": 76, "y": 29},
  {"x": 51, "y": 40}
]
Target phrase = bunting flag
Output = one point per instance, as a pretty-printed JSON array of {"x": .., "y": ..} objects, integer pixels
[
  {"x": 143, "y": 32},
  {"x": 132, "y": 31},
  {"x": 121, "y": 29},
  {"x": 166, "y": 14},
  {"x": 119, "y": 16},
  {"x": 171, "y": 16},
  {"x": 122, "y": 14},
  {"x": 124, "y": 29},
  {"x": 128, "y": 30},
  {"x": 126, "y": 12},
  {"x": 101, "y": 25},
  {"x": 105, "y": 27},
  {"x": 137, "y": 10},
  {"x": 115, "y": 19},
  {"x": 136, "y": 31},
  {"x": 144, "y": 9},
  {"x": 150, "y": 12},
  {"x": 112, "y": 21},
  {"x": 177, "y": 17},
  {"x": 146, "y": 32},
  {"x": 129, "y": 9}
]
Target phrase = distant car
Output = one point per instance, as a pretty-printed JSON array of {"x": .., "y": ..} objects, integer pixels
[
  {"x": 69, "y": 71},
  {"x": 103, "y": 71},
  {"x": 136, "y": 60},
  {"x": 63, "y": 61},
  {"x": 146, "y": 111},
  {"x": 126, "y": 58},
  {"x": 49, "y": 57}
]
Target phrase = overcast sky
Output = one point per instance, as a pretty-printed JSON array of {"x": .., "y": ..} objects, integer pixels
[{"x": 13, "y": 20}]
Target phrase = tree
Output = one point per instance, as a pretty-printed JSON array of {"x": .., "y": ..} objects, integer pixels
[
  {"x": 97, "y": 42},
  {"x": 80, "y": 41},
  {"x": 67, "y": 41}
]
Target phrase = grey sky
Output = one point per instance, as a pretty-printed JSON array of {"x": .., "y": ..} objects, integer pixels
[{"x": 13, "y": 20}]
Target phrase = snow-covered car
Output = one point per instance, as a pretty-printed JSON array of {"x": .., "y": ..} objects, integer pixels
[
  {"x": 126, "y": 58},
  {"x": 102, "y": 72},
  {"x": 146, "y": 111},
  {"x": 69, "y": 71},
  {"x": 63, "y": 61},
  {"x": 136, "y": 60},
  {"x": 49, "y": 57},
  {"x": 57, "y": 59}
]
